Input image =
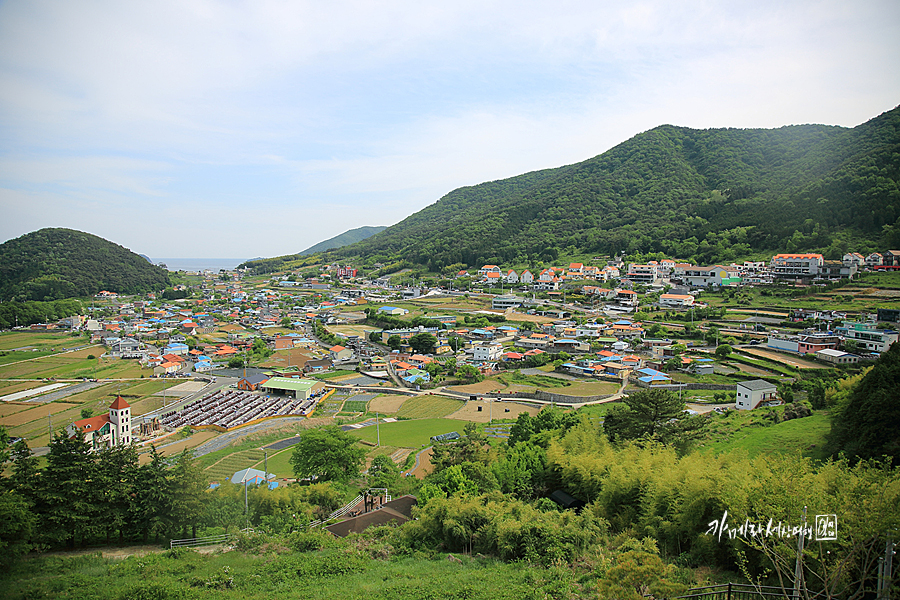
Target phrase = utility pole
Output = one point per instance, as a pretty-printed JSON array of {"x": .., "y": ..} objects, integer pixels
[
  {"x": 377, "y": 431},
  {"x": 798, "y": 566},
  {"x": 266, "y": 463}
]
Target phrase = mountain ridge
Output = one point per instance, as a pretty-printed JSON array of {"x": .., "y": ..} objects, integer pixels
[{"x": 705, "y": 195}]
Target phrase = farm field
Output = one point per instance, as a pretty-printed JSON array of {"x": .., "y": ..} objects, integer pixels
[
  {"x": 428, "y": 407},
  {"x": 408, "y": 434},
  {"x": 782, "y": 358},
  {"x": 75, "y": 365},
  {"x": 499, "y": 410},
  {"x": 11, "y": 386},
  {"x": 387, "y": 403},
  {"x": 23, "y": 339}
]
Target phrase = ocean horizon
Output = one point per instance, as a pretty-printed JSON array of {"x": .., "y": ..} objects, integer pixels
[{"x": 199, "y": 264}]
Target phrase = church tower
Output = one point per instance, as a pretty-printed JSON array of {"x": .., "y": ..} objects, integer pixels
[{"x": 120, "y": 420}]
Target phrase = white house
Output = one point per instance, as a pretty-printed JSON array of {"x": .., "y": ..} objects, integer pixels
[
  {"x": 487, "y": 352},
  {"x": 512, "y": 277},
  {"x": 526, "y": 277},
  {"x": 106, "y": 431},
  {"x": 750, "y": 394}
]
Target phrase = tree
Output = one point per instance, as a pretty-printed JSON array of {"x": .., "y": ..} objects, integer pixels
[
  {"x": 652, "y": 414},
  {"x": 866, "y": 423},
  {"x": 326, "y": 454},
  {"x": 87, "y": 412},
  {"x": 187, "y": 487},
  {"x": 383, "y": 472},
  {"x": 723, "y": 351},
  {"x": 423, "y": 343},
  {"x": 67, "y": 490},
  {"x": 469, "y": 374},
  {"x": 394, "y": 342}
]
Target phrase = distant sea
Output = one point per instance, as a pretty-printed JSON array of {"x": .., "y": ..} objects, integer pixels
[{"x": 199, "y": 264}]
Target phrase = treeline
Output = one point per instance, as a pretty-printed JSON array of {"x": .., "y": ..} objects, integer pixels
[
  {"x": 53, "y": 264},
  {"x": 28, "y": 313},
  {"x": 705, "y": 196}
]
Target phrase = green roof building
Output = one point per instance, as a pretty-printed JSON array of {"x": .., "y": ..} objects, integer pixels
[{"x": 299, "y": 388}]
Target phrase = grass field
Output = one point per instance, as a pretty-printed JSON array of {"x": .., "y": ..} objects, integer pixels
[
  {"x": 429, "y": 407},
  {"x": 748, "y": 430},
  {"x": 356, "y": 406},
  {"x": 409, "y": 434},
  {"x": 42, "y": 339}
]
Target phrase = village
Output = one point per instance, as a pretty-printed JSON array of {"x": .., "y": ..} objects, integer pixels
[{"x": 269, "y": 347}]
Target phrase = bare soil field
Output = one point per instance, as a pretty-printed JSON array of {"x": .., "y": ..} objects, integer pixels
[
  {"x": 387, "y": 403},
  {"x": 295, "y": 357},
  {"x": 782, "y": 358},
  {"x": 38, "y": 412},
  {"x": 360, "y": 330},
  {"x": 425, "y": 466},
  {"x": 749, "y": 369},
  {"x": 191, "y": 442},
  {"x": 499, "y": 410}
]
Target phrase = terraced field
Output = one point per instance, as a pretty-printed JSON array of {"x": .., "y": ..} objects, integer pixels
[{"x": 231, "y": 464}]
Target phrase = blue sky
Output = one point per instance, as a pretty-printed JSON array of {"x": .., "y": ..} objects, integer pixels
[{"x": 244, "y": 129}]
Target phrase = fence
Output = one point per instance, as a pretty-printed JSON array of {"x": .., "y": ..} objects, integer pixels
[
  {"x": 204, "y": 541},
  {"x": 736, "y": 591}
]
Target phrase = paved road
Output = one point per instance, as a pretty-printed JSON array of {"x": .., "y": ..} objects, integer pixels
[{"x": 226, "y": 439}]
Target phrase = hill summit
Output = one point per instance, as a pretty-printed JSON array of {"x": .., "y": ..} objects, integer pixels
[{"x": 56, "y": 263}]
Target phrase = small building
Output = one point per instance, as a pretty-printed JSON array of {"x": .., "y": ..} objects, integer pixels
[
  {"x": 340, "y": 353},
  {"x": 299, "y": 388},
  {"x": 393, "y": 311},
  {"x": 837, "y": 357},
  {"x": 251, "y": 383},
  {"x": 750, "y": 394}
]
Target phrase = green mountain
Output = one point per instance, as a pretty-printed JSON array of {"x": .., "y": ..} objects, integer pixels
[
  {"x": 51, "y": 264},
  {"x": 268, "y": 265},
  {"x": 703, "y": 195},
  {"x": 344, "y": 239}
]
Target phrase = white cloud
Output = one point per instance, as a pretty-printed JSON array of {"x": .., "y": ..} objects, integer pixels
[{"x": 371, "y": 110}]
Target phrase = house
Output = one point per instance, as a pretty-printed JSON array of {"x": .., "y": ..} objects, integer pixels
[
  {"x": 340, "y": 353},
  {"x": 891, "y": 258},
  {"x": 867, "y": 336},
  {"x": 713, "y": 276},
  {"x": 750, "y": 394},
  {"x": 487, "y": 352},
  {"x": 393, "y": 311},
  {"x": 837, "y": 357},
  {"x": 489, "y": 269},
  {"x": 526, "y": 277},
  {"x": 106, "y": 431},
  {"x": 796, "y": 265},
  {"x": 626, "y": 297},
  {"x": 251, "y": 383},
  {"x": 646, "y": 274},
  {"x": 874, "y": 260},
  {"x": 507, "y": 301},
  {"x": 676, "y": 300},
  {"x": 512, "y": 277}
]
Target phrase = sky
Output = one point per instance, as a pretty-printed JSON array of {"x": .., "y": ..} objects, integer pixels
[{"x": 197, "y": 128}]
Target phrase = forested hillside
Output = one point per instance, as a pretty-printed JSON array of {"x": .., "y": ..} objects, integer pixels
[
  {"x": 705, "y": 195},
  {"x": 52, "y": 264}
]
